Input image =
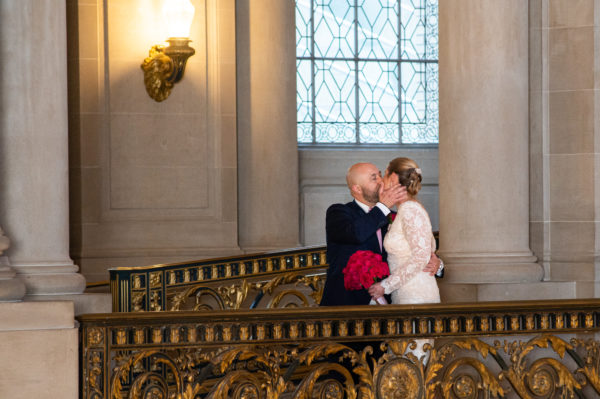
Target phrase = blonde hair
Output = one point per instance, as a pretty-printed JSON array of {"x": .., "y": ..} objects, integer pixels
[{"x": 409, "y": 174}]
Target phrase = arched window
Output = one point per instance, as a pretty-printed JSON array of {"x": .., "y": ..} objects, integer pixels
[{"x": 367, "y": 71}]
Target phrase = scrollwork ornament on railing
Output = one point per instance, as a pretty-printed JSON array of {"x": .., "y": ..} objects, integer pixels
[
  {"x": 149, "y": 383},
  {"x": 544, "y": 376},
  {"x": 266, "y": 365},
  {"x": 234, "y": 295},
  {"x": 316, "y": 283},
  {"x": 591, "y": 362},
  {"x": 95, "y": 374},
  {"x": 465, "y": 377},
  {"x": 398, "y": 373},
  {"x": 318, "y": 380},
  {"x": 238, "y": 384},
  {"x": 200, "y": 292}
]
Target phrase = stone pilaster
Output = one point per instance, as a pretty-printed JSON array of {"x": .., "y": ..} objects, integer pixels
[
  {"x": 268, "y": 206},
  {"x": 34, "y": 149},
  {"x": 484, "y": 127}
]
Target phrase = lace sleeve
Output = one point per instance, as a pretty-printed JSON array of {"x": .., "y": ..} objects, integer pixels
[{"x": 417, "y": 231}]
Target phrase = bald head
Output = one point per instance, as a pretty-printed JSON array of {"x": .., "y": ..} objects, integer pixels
[
  {"x": 359, "y": 173},
  {"x": 364, "y": 180}
]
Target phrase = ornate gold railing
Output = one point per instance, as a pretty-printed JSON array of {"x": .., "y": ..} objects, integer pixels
[
  {"x": 531, "y": 349},
  {"x": 280, "y": 279}
]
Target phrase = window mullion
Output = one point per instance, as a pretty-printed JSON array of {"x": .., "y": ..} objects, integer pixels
[
  {"x": 399, "y": 66},
  {"x": 312, "y": 72},
  {"x": 356, "y": 105}
]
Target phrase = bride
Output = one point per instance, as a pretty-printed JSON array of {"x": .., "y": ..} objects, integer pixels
[{"x": 409, "y": 244}]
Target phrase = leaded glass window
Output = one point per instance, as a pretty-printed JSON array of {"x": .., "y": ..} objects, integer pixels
[{"x": 367, "y": 71}]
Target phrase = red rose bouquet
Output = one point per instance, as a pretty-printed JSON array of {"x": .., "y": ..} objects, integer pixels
[{"x": 364, "y": 268}]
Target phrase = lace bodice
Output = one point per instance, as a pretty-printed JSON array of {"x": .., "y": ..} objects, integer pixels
[{"x": 409, "y": 244}]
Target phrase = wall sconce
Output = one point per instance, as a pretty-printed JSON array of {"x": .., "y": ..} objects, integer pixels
[{"x": 165, "y": 65}]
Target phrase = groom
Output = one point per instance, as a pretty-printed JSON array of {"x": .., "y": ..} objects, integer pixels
[{"x": 359, "y": 225}]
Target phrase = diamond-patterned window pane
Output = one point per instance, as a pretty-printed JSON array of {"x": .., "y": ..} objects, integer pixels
[
  {"x": 373, "y": 76},
  {"x": 334, "y": 91},
  {"x": 420, "y": 131},
  {"x": 412, "y": 30},
  {"x": 303, "y": 28},
  {"x": 304, "y": 90},
  {"x": 378, "y": 29},
  {"x": 378, "y": 91},
  {"x": 334, "y": 28},
  {"x": 413, "y": 92}
]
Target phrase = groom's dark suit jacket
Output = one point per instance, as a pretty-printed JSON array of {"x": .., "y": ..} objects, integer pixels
[{"x": 349, "y": 229}]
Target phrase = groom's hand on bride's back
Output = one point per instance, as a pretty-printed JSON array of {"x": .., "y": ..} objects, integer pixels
[
  {"x": 392, "y": 195},
  {"x": 434, "y": 267}
]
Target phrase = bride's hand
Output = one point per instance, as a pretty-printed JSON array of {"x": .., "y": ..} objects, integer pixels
[
  {"x": 393, "y": 195},
  {"x": 376, "y": 290}
]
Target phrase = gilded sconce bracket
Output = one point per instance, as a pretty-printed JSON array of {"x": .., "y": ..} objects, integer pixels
[{"x": 165, "y": 66}]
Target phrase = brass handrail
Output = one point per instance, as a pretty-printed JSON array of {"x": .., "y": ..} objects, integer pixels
[{"x": 96, "y": 284}]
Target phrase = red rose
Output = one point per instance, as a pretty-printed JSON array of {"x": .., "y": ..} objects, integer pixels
[
  {"x": 364, "y": 268},
  {"x": 391, "y": 217}
]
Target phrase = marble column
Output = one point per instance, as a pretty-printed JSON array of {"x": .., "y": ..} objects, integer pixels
[
  {"x": 34, "y": 201},
  {"x": 11, "y": 288},
  {"x": 268, "y": 205},
  {"x": 483, "y": 149}
]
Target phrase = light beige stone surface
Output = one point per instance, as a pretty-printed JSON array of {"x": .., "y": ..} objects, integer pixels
[
  {"x": 529, "y": 291},
  {"x": 564, "y": 140},
  {"x": 572, "y": 188},
  {"x": 484, "y": 135},
  {"x": 573, "y": 238},
  {"x": 571, "y": 13},
  {"x": 571, "y": 122},
  {"x": 88, "y": 302},
  {"x": 571, "y": 58},
  {"x": 267, "y": 138},
  {"x": 151, "y": 180},
  {"x": 47, "y": 315},
  {"x": 39, "y": 363}
]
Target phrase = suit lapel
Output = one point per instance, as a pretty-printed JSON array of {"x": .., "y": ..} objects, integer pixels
[{"x": 373, "y": 241}]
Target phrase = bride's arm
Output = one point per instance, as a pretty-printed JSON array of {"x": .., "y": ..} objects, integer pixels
[{"x": 417, "y": 230}]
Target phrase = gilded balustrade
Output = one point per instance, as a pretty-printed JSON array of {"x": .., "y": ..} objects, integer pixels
[
  {"x": 271, "y": 280},
  {"x": 531, "y": 349}
]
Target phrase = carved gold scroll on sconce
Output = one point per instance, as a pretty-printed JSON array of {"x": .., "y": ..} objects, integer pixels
[{"x": 165, "y": 66}]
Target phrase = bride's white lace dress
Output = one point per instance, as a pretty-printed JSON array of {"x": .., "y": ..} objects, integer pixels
[{"x": 409, "y": 244}]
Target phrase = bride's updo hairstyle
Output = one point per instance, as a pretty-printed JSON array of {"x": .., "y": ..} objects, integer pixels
[{"x": 409, "y": 174}]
